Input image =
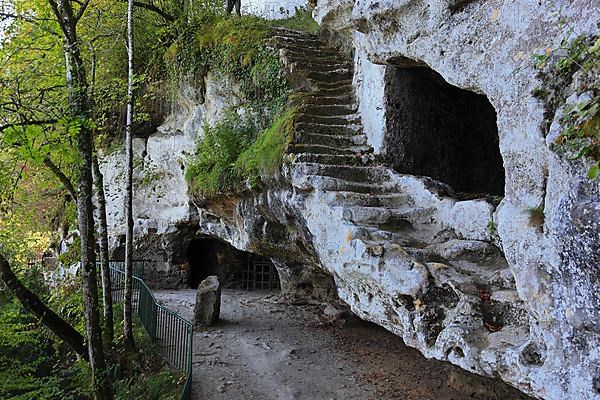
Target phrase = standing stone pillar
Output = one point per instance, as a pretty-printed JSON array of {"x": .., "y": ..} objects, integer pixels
[{"x": 208, "y": 302}]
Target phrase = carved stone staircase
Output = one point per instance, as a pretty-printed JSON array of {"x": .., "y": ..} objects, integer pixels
[{"x": 330, "y": 154}]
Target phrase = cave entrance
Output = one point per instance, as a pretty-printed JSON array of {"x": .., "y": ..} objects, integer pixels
[
  {"x": 235, "y": 268},
  {"x": 441, "y": 131}
]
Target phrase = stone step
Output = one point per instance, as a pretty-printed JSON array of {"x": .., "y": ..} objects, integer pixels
[
  {"x": 332, "y": 85},
  {"x": 304, "y": 40},
  {"x": 329, "y": 109},
  {"x": 302, "y": 52},
  {"x": 336, "y": 130},
  {"x": 342, "y": 90},
  {"x": 327, "y": 183},
  {"x": 391, "y": 200},
  {"x": 344, "y": 100},
  {"x": 349, "y": 173},
  {"x": 349, "y": 120},
  {"x": 322, "y": 149},
  {"x": 332, "y": 76},
  {"x": 376, "y": 235},
  {"x": 281, "y": 31},
  {"x": 330, "y": 140},
  {"x": 414, "y": 278},
  {"x": 299, "y": 56},
  {"x": 339, "y": 130},
  {"x": 332, "y": 159},
  {"x": 311, "y": 64},
  {"x": 323, "y": 68},
  {"x": 388, "y": 218}
]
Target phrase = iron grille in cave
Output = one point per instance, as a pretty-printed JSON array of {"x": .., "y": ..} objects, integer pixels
[{"x": 259, "y": 274}]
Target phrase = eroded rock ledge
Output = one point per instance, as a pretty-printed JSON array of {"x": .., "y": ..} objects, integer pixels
[{"x": 489, "y": 285}]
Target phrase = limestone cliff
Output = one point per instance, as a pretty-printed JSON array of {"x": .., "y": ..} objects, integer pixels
[{"x": 421, "y": 179}]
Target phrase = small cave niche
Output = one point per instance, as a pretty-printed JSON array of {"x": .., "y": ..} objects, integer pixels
[
  {"x": 441, "y": 131},
  {"x": 235, "y": 268}
]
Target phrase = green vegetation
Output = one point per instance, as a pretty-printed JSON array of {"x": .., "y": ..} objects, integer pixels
[
  {"x": 536, "y": 216},
  {"x": 34, "y": 364},
  {"x": 73, "y": 253},
  {"x": 576, "y": 58},
  {"x": 492, "y": 228},
  {"x": 301, "y": 21},
  {"x": 262, "y": 160},
  {"x": 246, "y": 147},
  {"x": 213, "y": 169},
  {"x": 235, "y": 47},
  {"x": 151, "y": 378},
  {"x": 232, "y": 156}
]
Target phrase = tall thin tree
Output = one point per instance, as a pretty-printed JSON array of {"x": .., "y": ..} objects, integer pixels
[
  {"x": 109, "y": 330},
  {"x": 104, "y": 262},
  {"x": 79, "y": 110},
  {"x": 127, "y": 315}
]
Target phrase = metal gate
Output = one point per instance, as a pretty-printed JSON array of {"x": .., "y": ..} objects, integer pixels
[{"x": 259, "y": 274}]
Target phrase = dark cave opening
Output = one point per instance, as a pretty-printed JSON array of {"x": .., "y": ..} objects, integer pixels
[
  {"x": 441, "y": 131},
  {"x": 235, "y": 268}
]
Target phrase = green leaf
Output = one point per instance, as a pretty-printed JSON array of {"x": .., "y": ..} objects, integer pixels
[{"x": 594, "y": 171}]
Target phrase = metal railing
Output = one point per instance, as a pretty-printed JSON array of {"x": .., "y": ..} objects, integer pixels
[
  {"x": 173, "y": 334},
  {"x": 139, "y": 266}
]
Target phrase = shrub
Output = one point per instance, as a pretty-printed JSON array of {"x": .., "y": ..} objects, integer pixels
[
  {"x": 232, "y": 156},
  {"x": 212, "y": 171},
  {"x": 262, "y": 160}
]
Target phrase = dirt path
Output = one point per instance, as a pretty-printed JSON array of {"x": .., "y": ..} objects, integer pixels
[{"x": 262, "y": 349}]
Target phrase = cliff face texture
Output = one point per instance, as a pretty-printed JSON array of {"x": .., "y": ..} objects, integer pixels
[{"x": 420, "y": 185}]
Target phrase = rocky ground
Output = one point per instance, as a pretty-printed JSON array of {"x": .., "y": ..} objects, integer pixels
[{"x": 263, "y": 349}]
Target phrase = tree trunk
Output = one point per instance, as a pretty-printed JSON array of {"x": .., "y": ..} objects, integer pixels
[
  {"x": 102, "y": 387},
  {"x": 109, "y": 330},
  {"x": 127, "y": 317},
  {"x": 104, "y": 259},
  {"x": 79, "y": 109},
  {"x": 31, "y": 302}
]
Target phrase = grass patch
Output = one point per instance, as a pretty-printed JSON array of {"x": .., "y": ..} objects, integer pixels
[{"x": 301, "y": 21}]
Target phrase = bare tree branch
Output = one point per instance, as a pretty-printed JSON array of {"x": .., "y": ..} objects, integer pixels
[
  {"x": 151, "y": 7},
  {"x": 27, "y": 123},
  {"x": 61, "y": 176},
  {"x": 82, "y": 9}
]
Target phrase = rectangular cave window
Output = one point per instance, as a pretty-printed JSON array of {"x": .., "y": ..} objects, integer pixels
[
  {"x": 259, "y": 274},
  {"x": 438, "y": 130}
]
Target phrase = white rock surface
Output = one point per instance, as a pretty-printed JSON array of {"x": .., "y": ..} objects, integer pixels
[
  {"x": 271, "y": 9},
  {"x": 531, "y": 315}
]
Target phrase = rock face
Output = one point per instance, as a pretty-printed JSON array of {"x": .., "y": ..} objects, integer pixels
[
  {"x": 497, "y": 273},
  {"x": 208, "y": 302}
]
